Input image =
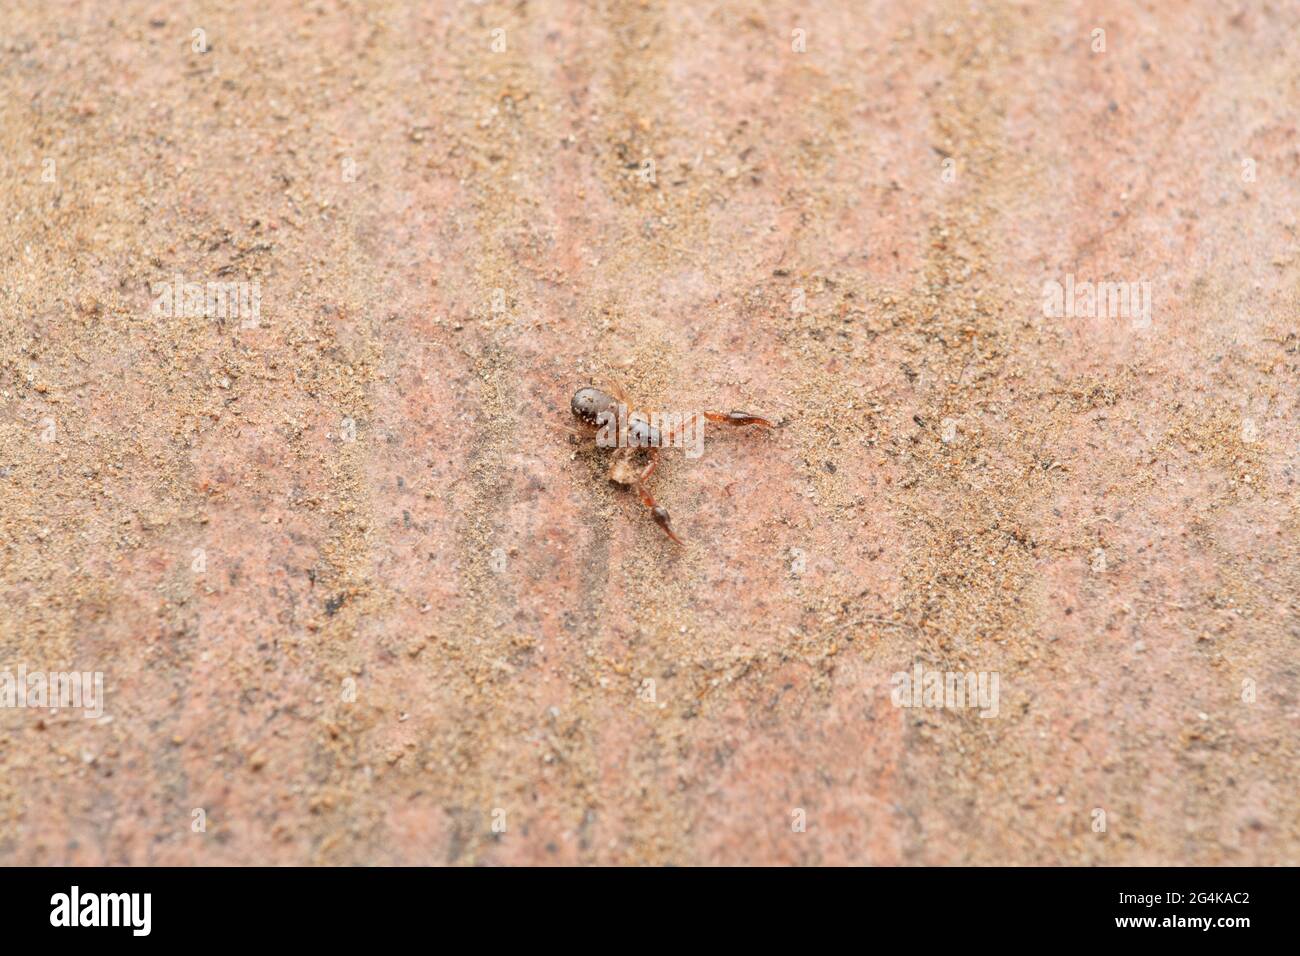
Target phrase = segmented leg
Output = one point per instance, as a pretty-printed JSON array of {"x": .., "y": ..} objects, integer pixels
[
  {"x": 737, "y": 418},
  {"x": 614, "y": 387},
  {"x": 658, "y": 513},
  {"x": 650, "y": 468},
  {"x": 574, "y": 436}
]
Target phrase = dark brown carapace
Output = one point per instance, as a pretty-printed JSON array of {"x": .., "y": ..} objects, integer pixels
[{"x": 594, "y": 407}]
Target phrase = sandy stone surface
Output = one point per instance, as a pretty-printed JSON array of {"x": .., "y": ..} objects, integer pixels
[{"x": 357, "y": 595}]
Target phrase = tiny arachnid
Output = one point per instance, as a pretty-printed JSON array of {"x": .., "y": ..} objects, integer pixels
[{"x": 642, "y": 432}]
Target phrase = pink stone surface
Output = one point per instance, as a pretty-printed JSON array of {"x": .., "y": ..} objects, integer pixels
[{"x": 358, "y": 597}]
